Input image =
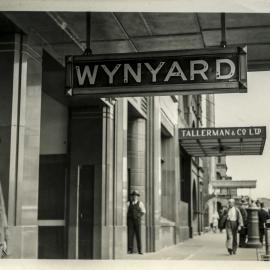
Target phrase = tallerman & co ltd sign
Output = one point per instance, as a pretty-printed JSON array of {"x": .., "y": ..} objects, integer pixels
[
  {"x": 197, "y": 133},
  {"x": 158, "y": 73},
  {"x": 223, "y": 141}
]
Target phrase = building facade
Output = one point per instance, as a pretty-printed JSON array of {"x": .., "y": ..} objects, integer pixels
[{"x": 68, "y": 165}]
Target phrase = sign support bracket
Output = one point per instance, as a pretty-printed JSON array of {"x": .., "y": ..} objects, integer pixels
[{"x": 88, "y": 50}]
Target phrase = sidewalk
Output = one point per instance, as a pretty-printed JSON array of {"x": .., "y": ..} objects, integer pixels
[{"x": 209, "y": 246}]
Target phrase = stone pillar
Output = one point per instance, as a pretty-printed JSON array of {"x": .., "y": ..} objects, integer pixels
[
  {"x": 107, "y": 184},
  {"x": 253, "y": 228},
  {"x": 136, "y": 155},
  {"x": 149, "y": 194},
  {"x": 137, "y": 162},
  {"x": 153, "y": 175},
  {"x": 177, "y": 192},
  {"x": 120, "y": 180},
  {"x": 20, "y": 106}
]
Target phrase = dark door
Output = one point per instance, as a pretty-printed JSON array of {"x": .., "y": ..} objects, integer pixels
[
  {"x": 51, "y": 207},
  {"x": 86, "y": 211}
]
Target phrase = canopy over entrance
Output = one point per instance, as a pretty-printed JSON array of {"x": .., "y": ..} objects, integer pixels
[
  {"x": 228, "y": 141},
  {"x": 234, "y": 184}
]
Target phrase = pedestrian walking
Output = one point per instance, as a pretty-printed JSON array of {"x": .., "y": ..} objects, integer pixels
[
  {"x": 222, "y": 219},
  {"x": 263, "y": 216},
  {"x": 258, "y": 203},
  {"x": 243, "y": 231},
  {"x": 234, "y": 222},
  {"x": 215, "y": 218},
  {"x": 136, "y": 210}
]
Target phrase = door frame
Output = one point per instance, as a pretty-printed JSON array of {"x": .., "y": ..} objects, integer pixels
[
  {"x": 77, "y": 209},
  {"x": 77, "y": 251}
]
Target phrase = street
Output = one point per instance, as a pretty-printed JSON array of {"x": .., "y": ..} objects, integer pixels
[{"x": 209, "y": 246}]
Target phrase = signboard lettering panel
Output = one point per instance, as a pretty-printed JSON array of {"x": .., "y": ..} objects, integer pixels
[
  {"x": 226, "y": 141},
  {"x": 219, "y": 133},
  {"x": 157, "y": 73}
]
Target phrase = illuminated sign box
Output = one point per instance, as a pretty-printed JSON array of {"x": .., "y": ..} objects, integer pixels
[{"x": 158, "y": 73}]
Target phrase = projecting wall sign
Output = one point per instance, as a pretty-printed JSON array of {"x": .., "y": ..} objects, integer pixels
[
  {"x": 200, "y": 133},
  {"x": 158, "y": 73},
  {"x": 225, "y": 141}
]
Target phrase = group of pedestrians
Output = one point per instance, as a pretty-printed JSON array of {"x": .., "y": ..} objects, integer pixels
[{"x": 235, "y": 220}]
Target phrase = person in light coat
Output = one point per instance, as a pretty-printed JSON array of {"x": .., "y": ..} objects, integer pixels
[{"x": 234, "y": 223}]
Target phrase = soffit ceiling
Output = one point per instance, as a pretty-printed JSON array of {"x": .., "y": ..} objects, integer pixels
[{"x": 64, "y": 32}]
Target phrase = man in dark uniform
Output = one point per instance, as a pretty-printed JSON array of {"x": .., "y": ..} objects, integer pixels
[
  {"x": 263, "y": 216},
  {"x": 136, "y": 210}
]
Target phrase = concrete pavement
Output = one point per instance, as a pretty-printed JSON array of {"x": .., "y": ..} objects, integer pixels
[{"x": 209, "y": 246}]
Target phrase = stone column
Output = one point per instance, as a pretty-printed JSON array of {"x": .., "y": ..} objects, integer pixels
[
  {"x": 153, "y": 175},
  {"x": 137, "y": 161},
  {"x": 177, "y": 192},
  {"x": 20, "y": 106},
  {"x": 120, "y": 180},
  {"x": 107, "y": 184},
  {"x": 136, "y": 155}
]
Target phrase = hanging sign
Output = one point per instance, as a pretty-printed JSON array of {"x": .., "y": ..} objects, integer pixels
[
  {"x": 219, "y": 133},
  {"x": 158, "y": 73},
  {"x": 225, "y": 141}
]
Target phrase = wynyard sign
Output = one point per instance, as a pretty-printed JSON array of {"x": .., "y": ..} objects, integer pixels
[{"x": 158, "y": 73}]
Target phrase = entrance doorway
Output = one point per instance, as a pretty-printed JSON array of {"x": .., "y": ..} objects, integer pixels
[
  {"x": 86, "y": 212},
  {"x": 51, "y": 207}
]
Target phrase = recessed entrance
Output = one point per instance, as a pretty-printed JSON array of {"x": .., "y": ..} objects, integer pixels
[{"x": 86, "y": 212}]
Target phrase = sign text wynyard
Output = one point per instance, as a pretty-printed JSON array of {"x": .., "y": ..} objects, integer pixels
[{"x": 157, "y": 73}]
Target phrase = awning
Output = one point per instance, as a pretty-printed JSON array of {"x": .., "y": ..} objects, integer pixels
[
  {"x": 226, "y": 141},
  {"x": 234, "y": 184}
]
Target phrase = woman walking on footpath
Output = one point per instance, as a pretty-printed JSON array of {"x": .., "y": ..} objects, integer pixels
[{"x": 215, "y": 218}]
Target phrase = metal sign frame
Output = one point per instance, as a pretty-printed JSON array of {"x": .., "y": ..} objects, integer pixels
[
  {"x": 222, "y": 132},
  {"x": 237, "y": 84},
  {"x": 223, "y": 141},
  {"x": 232, "y": 184}
]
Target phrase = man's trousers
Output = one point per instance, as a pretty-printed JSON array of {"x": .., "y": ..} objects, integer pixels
[
  {"x": 261, "y": 230},
  {"x": 243, "y": 237},
  {"x": 134, "y": 228},
  {"x": 231, "y": 231}
]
